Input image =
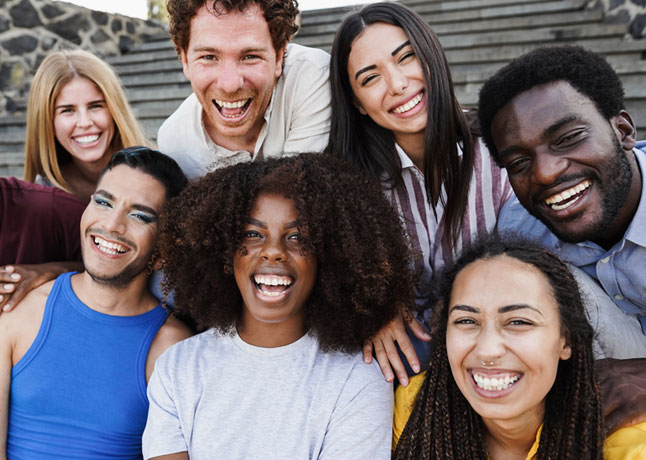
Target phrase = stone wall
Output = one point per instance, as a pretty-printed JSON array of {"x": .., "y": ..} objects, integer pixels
[
  {"x": 29, "y": 29},
  {"x": 632, "y": 12}
]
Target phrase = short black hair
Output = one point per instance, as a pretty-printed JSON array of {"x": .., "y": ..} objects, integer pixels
[
  {"x": 588, "y": 72},
  {"x": 154, "y": 163},
  {"x": 363, "y": 275}
]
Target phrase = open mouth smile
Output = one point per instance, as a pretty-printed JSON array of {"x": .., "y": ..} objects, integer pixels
[
  {"x": 109, "y": 247},
  {"x": 86, "y": 140},
  {"x": 498, "y": 382},
  {"x": 567, "y": 198},
  {"x": 272, "y": 285},
  {"x": 409, "y": 105},
  {"x": 232, "y": 109}
]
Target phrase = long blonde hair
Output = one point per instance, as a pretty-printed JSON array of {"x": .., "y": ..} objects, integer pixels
[{"x": 43, "y": 153}]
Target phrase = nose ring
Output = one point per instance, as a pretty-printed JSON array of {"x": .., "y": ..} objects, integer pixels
[{"x": 485, "y": 364}]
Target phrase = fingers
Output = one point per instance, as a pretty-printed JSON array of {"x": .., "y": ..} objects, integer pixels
[
  {"x": 367, "y": 352},
  {"x": 385, "y": 357},
  {"x": 418, "y": 330},
  {"x": 8, "y": 274},
  {"x": 20, "y": 292}
]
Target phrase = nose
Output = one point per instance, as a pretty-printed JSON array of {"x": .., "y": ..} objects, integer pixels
[
  {"x": 84, "y": 120},
  {"x": 490, "y": 345},
  {"x": 274, "y": 250},
  {"x": 230, "y": 77},
  {"x": 398, "y": 82},
  {"x": 547, "y": 168},
  {"x": 115, "y": 223}
]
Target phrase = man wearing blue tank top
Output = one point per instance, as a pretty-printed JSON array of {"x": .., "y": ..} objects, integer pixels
[{"x": 76, "y": 357}]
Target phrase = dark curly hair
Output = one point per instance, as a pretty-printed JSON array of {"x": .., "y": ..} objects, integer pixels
[
  {"x": 443, "y": 424},
  {"x": 363, "y": 272},
  {"x": 587, "y": 72},
  {"x": 363, "y": 142},
  {"x": 279, "y": 14}
]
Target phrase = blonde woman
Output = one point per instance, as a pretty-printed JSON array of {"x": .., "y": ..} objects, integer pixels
[{"x": 77, "y": 117}]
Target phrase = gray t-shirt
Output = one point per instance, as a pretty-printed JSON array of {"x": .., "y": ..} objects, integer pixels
[{"x": 216, "y": 396}]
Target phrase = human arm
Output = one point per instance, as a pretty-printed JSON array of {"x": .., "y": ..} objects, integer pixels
[
  {"x": 383, "y": 345},
  {"x": 5, "y": 385},
  {"x": 177, "y": 456},
  {"x": 18, "y": 280},
  {"x": 361, "y": 424},
  {"x": 623, "y": 391}
]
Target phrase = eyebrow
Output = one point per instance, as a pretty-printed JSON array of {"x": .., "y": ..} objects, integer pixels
[
  {"x": 138, "y": 207},
  {"x": 65, "y": 106},
  {"x": 399, "y": 48},
  {"x": 371, "y": 67},
  {"x": 261, "y": 224},
  {"x": 210, "y": 49},
  {"x": 501, "y": 310}
]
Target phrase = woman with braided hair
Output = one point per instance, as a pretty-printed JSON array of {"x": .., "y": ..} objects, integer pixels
[{"x": 511, "y": 373}]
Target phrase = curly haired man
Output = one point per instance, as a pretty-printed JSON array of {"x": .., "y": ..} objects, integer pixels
[{"x": 254, "y": 95}]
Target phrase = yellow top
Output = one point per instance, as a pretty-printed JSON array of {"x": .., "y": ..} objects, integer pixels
[{"x": 624, "y": 444}]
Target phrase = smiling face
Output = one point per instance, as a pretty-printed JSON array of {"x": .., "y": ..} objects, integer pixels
[
  {"x": 233, "y": 67},
  {"x": 387, "y": 81},
  {"x": 119, "y": 226},
  {"x": 570, "y": 167},
  {"x": 274, "y": 274},
  {"x": 83, "y": 124},
  {"x": 503, "y": 310}
]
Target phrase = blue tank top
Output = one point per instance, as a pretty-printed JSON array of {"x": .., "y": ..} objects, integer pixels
[{"x": 80, "y": 390}]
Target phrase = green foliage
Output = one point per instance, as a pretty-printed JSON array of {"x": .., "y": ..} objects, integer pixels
[{"x": 157, "y": 10}]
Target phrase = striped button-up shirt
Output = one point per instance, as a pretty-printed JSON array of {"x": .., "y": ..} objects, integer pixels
[{"x": 489, "y": 189}]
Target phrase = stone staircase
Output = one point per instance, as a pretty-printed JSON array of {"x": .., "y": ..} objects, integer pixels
[{"x": 479, "y": 36}]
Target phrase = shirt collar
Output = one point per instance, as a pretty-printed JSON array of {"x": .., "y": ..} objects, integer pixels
[{"x": 636, "y": 231}]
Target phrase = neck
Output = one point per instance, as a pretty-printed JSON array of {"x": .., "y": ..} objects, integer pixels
[
  {"x": 130, "y": 300},
  {"x": 618, "y": 229},
  {"x": 511, "y": 439},
  {"x": 413, "y": 145},
  {"x": 247, "y": 142},
  {"x": 271, "y": 335},
  {"x": 82, "y": 177}
]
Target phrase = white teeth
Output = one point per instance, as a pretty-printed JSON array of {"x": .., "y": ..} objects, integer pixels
[
  {"x": 86, "y": 139},
  {"x": 410, "y": 104},
  {"x": 272, "y": 280},
  {"x": 556, "y": 201},
  {"x": 493, "y": 383},
  {"x": 108, "y": 247},
  {"x": 231, "y": 104}
]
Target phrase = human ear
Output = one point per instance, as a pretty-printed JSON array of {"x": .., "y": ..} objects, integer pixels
[
  {"x": 566, "y": 351},
  {"x": 624, "y": 128},
  {"x": 359, "y": 107},
  {"x": 280, "y": 55},
  {"x": 187, "y": 72}
]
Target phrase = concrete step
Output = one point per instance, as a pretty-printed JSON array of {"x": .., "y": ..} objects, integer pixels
[
  {"x": 476, "y": 39},
  {"x": 482, "y": 9},
  {"x": 165, "y": 55},
  {"x": 521, "y": 23},
  {"x": 12, "y": 164}
]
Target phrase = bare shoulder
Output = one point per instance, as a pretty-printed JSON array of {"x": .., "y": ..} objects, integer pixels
[
  {"x": 172, "y": 331},
  {"x": 30, "y": 310},
  {"x": 19, "y": 327}
]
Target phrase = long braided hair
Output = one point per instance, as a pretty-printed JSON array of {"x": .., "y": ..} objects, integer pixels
[{"x": 443, "y": 425}]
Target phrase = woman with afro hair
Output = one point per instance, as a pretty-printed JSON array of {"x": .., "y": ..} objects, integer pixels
[{"x": 291, "y": 264}]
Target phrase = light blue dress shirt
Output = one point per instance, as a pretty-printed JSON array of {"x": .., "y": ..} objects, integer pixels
[{"x": 621, "y": 271}]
